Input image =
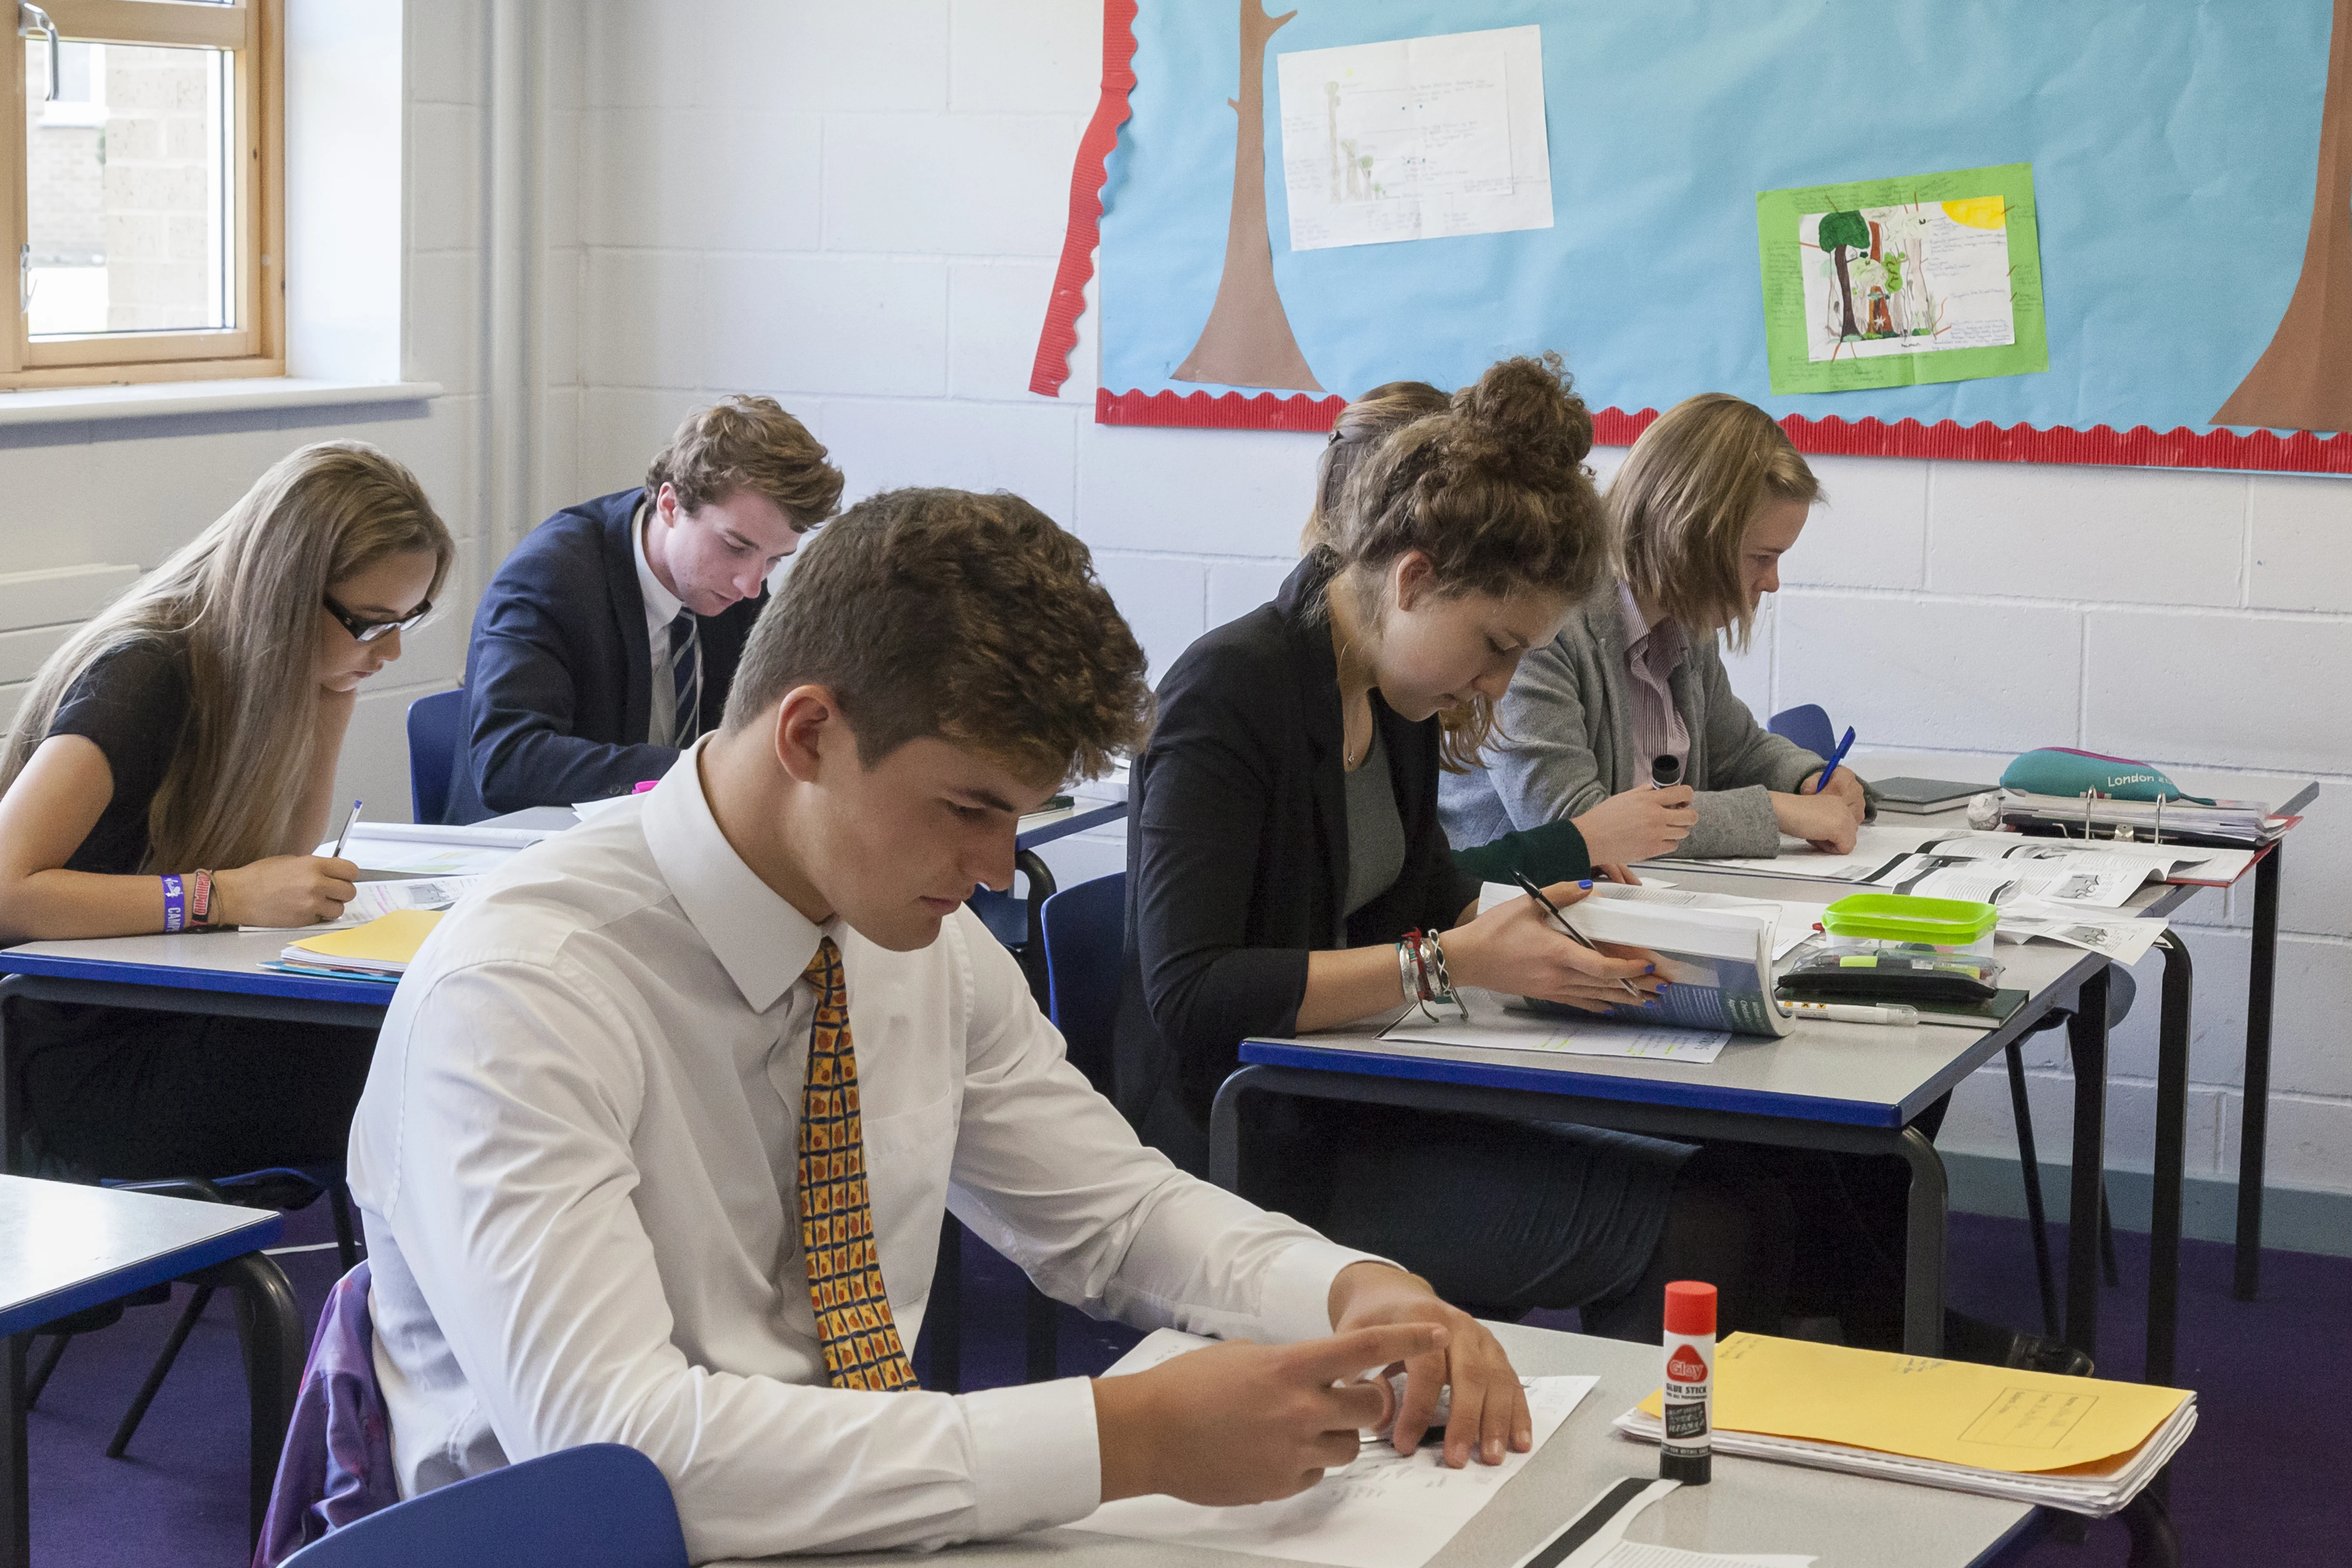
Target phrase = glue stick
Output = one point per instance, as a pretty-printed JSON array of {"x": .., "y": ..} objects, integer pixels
[
  {"x": 1665, "y": 772},
  {"x": 1689, "y": 1391}
]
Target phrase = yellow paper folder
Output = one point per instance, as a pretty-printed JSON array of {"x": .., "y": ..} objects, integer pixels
[
  {"x": 1991, "y": 1417},
  {"x": 388, "y": 939}
]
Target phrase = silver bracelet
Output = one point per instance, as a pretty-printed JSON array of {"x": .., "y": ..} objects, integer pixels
[
  {"x": 1432, "y": 954},
  {"x": 1407, "y": 981}
]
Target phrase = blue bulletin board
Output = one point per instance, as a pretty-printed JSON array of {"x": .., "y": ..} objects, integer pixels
[{"x": 2194, "y": 262}]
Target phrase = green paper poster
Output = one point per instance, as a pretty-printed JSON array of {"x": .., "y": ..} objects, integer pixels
[{"x": 1890, "y": 283}]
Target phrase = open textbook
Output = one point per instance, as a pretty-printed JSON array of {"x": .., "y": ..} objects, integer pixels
[{"x": 1715, "y": 953}]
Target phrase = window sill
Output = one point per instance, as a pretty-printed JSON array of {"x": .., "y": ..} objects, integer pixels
[{"x": 60, "y": 405}]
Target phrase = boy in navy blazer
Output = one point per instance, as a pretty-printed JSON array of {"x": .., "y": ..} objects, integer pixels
[{"x": 608, "y": 640}]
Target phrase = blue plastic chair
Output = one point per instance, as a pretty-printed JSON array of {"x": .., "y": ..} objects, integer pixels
[
  {"x": 434, "y": 723},
  {"x": 1807, "y": 725},
  {"x": 1085, "y": 942},
  {"x": 599, "y": 1506}
]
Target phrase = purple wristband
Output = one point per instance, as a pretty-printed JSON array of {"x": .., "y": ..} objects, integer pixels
[{"x": 175, "y": 904}]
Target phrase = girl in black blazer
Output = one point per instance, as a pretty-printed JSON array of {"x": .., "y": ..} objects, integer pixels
[{"x": 1284, "y": 835}]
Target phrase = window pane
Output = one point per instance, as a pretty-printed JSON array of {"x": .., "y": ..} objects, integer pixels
[{"x": 127, "y": 191}]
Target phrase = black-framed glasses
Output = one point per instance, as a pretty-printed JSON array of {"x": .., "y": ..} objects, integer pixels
[{"x": 368, "y": 630}]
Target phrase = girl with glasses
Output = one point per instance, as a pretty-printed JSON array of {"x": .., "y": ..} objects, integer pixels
[{"x": 170, "y": 769}]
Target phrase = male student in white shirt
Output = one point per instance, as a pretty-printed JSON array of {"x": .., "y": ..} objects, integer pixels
[{"x": 615, "y": 1110}]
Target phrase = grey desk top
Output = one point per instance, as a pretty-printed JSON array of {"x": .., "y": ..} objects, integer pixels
[
  {"x": 1866, "y": 1064},
  {"x": 1844, "y": 1521},
  {"x": 64, "y": 1246},
  {"x": 241, "y": 950}
]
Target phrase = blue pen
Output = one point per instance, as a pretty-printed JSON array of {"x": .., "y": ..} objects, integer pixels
[{"x": 1844, "y": 747}]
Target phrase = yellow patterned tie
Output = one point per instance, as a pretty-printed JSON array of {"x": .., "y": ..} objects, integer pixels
[{"x": 845, "y": 1275}]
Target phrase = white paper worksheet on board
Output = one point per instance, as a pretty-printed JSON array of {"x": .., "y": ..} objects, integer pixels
[
  {"x": 1386, "y": 1510},
  {"x": 1415, "y": 139}
]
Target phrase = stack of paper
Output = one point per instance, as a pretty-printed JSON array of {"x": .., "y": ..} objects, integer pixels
[
  {"x": 2080, "y": 1444},
  {"x": 380, "y": 950},
  {"x": 1387, "y": 1509},
  {"x": 426, "y": 849},
  {"x": 2250, "y": 822}
]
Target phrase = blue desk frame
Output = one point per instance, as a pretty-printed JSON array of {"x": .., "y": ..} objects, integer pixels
[{"x": 1691, "y": 1109}]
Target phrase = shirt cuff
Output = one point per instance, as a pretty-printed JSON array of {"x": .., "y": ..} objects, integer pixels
[
  {"x": 1036, "y": 1459},
  {"x": 1297, "y": 1301}
]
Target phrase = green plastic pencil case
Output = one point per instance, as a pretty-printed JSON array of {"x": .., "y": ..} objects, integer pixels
[{"x": 1878, "y": 921}]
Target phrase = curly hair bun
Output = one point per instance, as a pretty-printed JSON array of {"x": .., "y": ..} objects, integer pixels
[{"x": 1523, "y": 420}]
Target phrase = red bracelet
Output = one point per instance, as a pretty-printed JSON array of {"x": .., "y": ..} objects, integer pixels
[
  {"x": 200, "y": 899},
  {"x": 1412, "y": 940}
]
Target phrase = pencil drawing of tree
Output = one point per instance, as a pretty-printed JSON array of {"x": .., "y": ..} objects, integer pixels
[
  {"x": 2303, "y": 379},
  {"x": 1839, "y": 233},
  {"x": 1247, "y": 341}
]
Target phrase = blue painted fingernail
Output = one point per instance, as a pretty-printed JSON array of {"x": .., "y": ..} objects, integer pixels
[{"x": 1586, "y": 882}]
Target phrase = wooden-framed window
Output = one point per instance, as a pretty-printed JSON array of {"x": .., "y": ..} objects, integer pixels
[{"x": 146, "y": 208}]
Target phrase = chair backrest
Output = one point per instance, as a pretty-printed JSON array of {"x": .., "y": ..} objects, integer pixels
[
  {"x": 599, "y": 1506},
  {"x": 1086, "y": 941},
  {"x": 433, "y": 726},
  {"x": 1809, "y": 726}
]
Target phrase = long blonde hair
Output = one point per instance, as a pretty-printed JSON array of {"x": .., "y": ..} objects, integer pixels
[
  {"x": 242, "y": 602},
  {"x": 1680, "y": 506}
]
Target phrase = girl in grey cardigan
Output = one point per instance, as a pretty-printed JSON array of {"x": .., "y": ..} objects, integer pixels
[{"x": 1711, "y": 495}]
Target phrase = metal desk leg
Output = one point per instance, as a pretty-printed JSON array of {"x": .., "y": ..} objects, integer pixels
[
  {"x": 2171, "y": 1136},
  {"x": 2254, "y": 1123},
  {"x": 2087, "y": 1038},
  {"x": 1923, "y": 1263},
  {"x": 15, "y": 1523},
  {"x": 269, "y": 1325},
  {"x": 1226, "y": 1128},
  {"x": 2153, "y": 1542}
]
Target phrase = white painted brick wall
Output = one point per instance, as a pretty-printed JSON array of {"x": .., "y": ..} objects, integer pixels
[{"x": 886, "y": 277}]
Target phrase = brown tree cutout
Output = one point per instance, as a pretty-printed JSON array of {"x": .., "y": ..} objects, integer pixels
[
  {"x": 1248, "y": 341},
  {"x": 2303, "y": 379}
]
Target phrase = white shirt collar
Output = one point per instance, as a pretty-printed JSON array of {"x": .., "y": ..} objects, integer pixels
[
  {"x": 761, "y": 941},
  {"x": 661, "y": 605}
]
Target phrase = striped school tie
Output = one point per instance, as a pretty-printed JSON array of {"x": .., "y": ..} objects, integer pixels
[
  {"x": 845, "y": 1275},
  {"x": 686, "y": 679}
]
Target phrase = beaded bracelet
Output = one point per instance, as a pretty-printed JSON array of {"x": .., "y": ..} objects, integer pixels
[{"x": 175, "y": 904}]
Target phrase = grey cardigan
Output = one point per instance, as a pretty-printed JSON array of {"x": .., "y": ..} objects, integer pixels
[{"x": 1567, "y": 743}]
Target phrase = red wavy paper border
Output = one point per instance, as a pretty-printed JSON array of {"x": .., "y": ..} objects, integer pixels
[
  {"x": 2263, "y": 451},
  {"x": 1087, "y": 177}
]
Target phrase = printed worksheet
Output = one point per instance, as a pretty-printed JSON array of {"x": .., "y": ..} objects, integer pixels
[
  {"x": 1415, "y": 139},
  {"x": 1386, "y": 1510},
  {"x": 1494, "y": 1025}
]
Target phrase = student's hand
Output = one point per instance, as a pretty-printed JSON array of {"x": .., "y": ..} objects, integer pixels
[
  {"x": 1489, "y": 1412},
  {"x": 1243, "y": 1423},
  {"x": 1514, "y": 948},
  {"x": 284, "y": 890},
  {"x": 1845, "y": 786},
  {"x": 1622, "y": 875},
  {"x": 1640, "y": 824},
  {"x": 1825, "y": 822}
]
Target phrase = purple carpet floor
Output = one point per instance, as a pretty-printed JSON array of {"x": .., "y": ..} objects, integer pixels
[{"x": 2266, "y": 1482}]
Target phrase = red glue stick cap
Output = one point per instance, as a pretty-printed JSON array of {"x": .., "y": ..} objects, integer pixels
[{"x": 1690, "y": 1307}]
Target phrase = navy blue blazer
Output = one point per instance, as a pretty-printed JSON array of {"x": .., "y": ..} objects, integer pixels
[{"x": 559, "y": 675}]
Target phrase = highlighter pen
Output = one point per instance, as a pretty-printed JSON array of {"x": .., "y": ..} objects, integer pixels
[
  {"x": 1900, "y": 1014},
  {"x": 347, "y": 828},
  {"x": 1532, "y": 891},
  {"x": 1838, "y": 756}
]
